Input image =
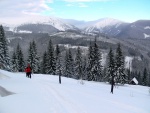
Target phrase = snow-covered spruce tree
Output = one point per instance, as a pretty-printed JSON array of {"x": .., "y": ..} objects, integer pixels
[
  {"x": 33, "y": 58},
  {"x": 84, "y": 67},
  {"x": 36, "y": 62},
  {"x": 51, "y": 61},
  {"x": 44, "y": 63},
  {"x": 78, "y": 64},
  {"x": 129, "y": 75},
  {"x": 105, "y": 78},
  {"x": 4, "y": 56},
  {"x": 94, "y": 65},
  {"x": 20, "y": 59},
  {"x": 57, "y": 51},
  {"x": 14, "y": 62},
  {"x": 97, "y": 68},
  {"x": 149, "y": 80},
  {"x": 90, "y": 62},
  {"x": 120, "y": 77},
  {"x": 58, "y": 61},
  {"x": 139, "y": 79},
  {"x": 69, "y": 65},
  {"x": 111, "y": 69},
  {"x": 110, "y": 66},
  {"x": 66, "y": 72},
  {"x": 145, "y": 77},
  {"x": 30, "y": 55}
]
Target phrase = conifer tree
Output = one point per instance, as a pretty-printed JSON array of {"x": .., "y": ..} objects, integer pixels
[
  {"x": 139, "y": 78},
  {"x": 4, "y": 56},
  {"x": 44, "y": 63},
  {"x": 69, "y": 65},
  {"x": 97, "y": 67},
  {"x": 120, "y": 77},
  {"x": 14, "y": 62},
  {"x": 84, "y": 68},
  {"x": 78, "y": 64},
  {"x": 36, "y": 66},
  {"x": 30, "y": 55},
  {"x": 129, "y": 75},
  {"x": 111, "y": 69},
  {"x": 149, "y": 79},
  {"x": 20, "y": 59},
  {"x": 58, "y": 61},
  {"x": 111, "y": 66},
  {"x": 33, "y": 58},
  {"x": 51, "y": 63},
  {"x": 94, "y": 63},
  {"x": 145, "y": 77},
  {"x": 57, "y": 51},
  {"x": 66, "y": 72},
  {"x": 105, "y": 78},
  {"x": 90, "y": 62}
]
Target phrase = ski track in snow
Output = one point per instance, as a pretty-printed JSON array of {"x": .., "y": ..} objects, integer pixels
[
  {"x": 64, "y": 104},
  {"x": 43, "y": 94},
  {"x": 56, "y": 97}
]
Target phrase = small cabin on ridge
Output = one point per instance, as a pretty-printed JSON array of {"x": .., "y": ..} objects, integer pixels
[{"x": 134, "y": 81}]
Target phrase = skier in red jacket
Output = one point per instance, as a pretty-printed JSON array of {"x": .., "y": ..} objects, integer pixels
[{"x": 28, "y": 71}]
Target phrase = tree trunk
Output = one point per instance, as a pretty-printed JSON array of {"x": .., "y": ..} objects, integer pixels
[
  {"x": 112, "y": 84},
  {"x": 60, "y": 78}
]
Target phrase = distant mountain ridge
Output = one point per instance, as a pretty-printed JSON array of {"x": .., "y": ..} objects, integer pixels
[
  {"x": 115, "y": 28},
  {"x": 134, "y": 37},
  {"x": 139, "y": 29},
  {"x": 108, "y": 26}
]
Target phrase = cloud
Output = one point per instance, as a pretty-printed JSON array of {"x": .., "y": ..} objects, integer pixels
[
  {"x": 22, "y": 7},
  {"x": 86, "y": 0},
  {"x": 82, "y": 5},
  {"x": 69, "y": 5}
]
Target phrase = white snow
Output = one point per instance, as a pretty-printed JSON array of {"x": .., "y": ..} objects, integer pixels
[
  {"x": 12, "y": 38},
  {"x": 135, "y": 80},
  {"x": 24, "y": 31},
  {"x": 11, "y": 49},
  {"x": 147, "y": 27},
  {"x": 133, "y": 25},
  {"x": 138, "y": 58},
  {"x": 3, "y": 76},
  {"x": 104, "y": 57},
  {"x": 146, "y": 36},
  {"x": 47, "y": 20},
  {"x": 43, "y": 94},
  {"x": 67, "y": 46},
  {"x": 117, "y": 32},
  {"x": 105, "y": 22},
  {"x": 117, "y": 25},
  {"x": 56, "y": 22},
  {"x": 68, "y": 35},
  {"x": 128, "y": 62}
]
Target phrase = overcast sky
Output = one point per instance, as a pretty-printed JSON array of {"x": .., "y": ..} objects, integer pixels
[{"x": 125, "y": 10}]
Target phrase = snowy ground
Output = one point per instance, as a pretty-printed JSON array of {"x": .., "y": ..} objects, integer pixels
[{"x": 43, "y": 94}]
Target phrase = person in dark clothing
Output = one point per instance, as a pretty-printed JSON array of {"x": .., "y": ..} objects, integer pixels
[{"x": 28, "y": 71}]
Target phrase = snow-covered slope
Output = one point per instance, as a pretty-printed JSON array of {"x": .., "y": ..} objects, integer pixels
[
  {"x": 103, "y": 26},
  {"x": 43, "y": 94},
  {"x": 52, "y": 21},
  {"x": 139, "y": 30}
]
